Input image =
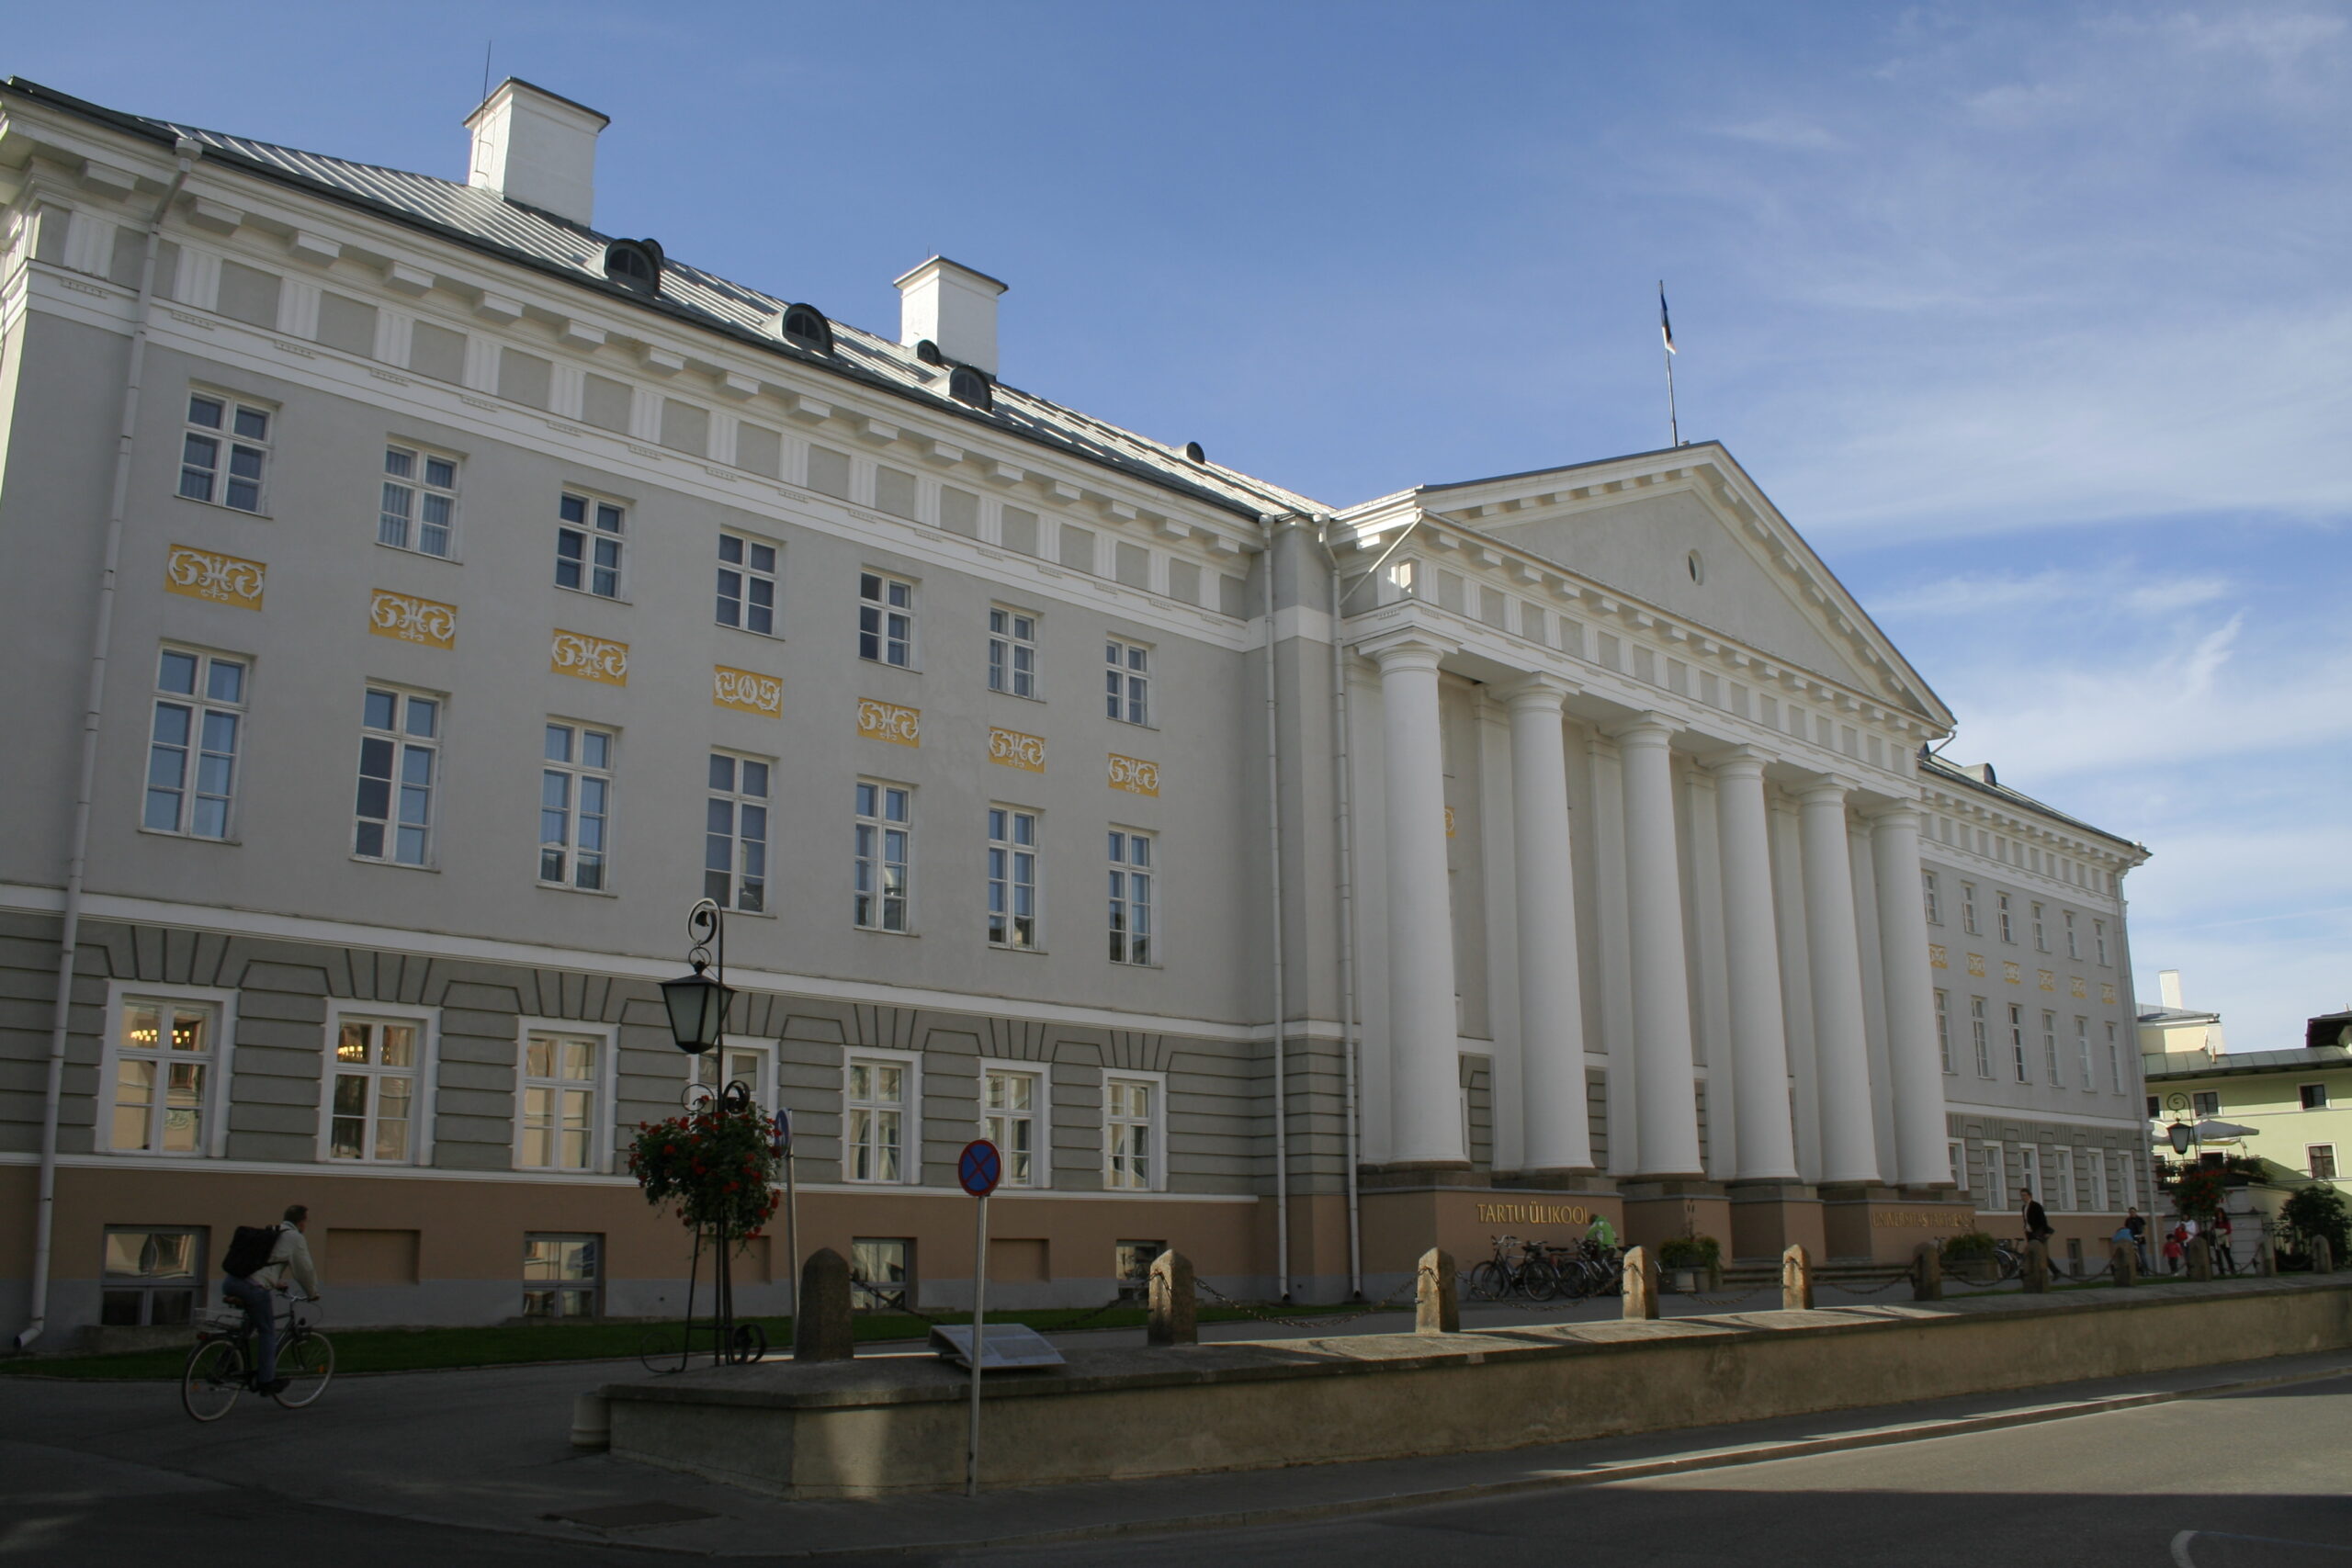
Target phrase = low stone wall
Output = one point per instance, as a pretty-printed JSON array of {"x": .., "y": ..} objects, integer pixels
[{"x": 876, "y": 1425}]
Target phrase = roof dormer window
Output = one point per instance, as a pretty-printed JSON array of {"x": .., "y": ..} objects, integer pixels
[
  {"x": 806, "y": 325},
  {"x": 966, "y": 384},
  {"x": 635, "y": 266}
]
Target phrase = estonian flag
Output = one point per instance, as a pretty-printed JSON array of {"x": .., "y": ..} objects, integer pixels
[{"x": 1664, "y": 325}]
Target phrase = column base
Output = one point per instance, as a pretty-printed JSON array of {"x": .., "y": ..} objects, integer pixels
[
  {"x": 1768, "y": 1217},
  {"x": 1885, "y": 1224},
  {"x": 1565, "y": 1179},
  {"x": 1659, "y": 1208},
  {"x": 1420, "y": 1173}
]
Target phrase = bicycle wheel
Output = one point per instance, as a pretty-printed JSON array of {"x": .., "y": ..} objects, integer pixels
[
  {"x": 1540, "y": 1280},
  {"x": 751, "y": 1344},
  {"x": 210, "y": 1382},
  {"x": 1488, "y": 1281},
  {"x": 305, "y": 1363},
  {"x": 1576, "y": 1279}
]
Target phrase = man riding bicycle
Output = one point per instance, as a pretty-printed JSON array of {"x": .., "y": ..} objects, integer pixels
[{"x": 289, "y": 1255}]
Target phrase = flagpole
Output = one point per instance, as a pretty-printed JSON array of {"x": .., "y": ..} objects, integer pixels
[{"x": 1665, "y": 335}]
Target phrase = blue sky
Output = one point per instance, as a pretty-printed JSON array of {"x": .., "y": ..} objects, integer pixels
[{"x": 2035, "y": 319}]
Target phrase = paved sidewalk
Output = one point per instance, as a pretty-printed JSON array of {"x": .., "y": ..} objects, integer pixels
[{"x": 488, "y": 1450}]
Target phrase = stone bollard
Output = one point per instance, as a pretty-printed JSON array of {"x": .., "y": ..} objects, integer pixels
[
  {"x": 1641, "y": 1283},
  {"x": 1796, "y": 1280},
  {"x": 2035, "y": 1276},
  {"x": 1174, "y": 1318},
  {"x": 820, "y": 1328},
  {"x": 2123, "y": 1262},
  {"x": 1928, "y": 1273},
  {"x": 2200, "y": 1259},
  {"x": 2322, "y": 1255},
  {"x": 592, "y": 1423},
  {"x": 2265, "y": 1258},
  {"x": 1437, "y": 1295}
]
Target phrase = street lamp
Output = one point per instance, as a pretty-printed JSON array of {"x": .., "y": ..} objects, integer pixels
[{"x": 698, "y": 1002}]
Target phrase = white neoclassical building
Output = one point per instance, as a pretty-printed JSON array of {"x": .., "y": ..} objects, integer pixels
[{"x": 421, "y": 595}]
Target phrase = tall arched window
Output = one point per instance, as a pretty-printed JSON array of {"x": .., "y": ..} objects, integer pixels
[{"x": 635, "y": 266}]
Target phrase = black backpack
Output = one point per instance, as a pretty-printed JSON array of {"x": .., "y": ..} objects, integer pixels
[{"x": 249, "y": 1249}]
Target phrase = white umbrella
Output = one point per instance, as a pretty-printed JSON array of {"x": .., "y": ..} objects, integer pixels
[{"x": 2208, "y": 1130}]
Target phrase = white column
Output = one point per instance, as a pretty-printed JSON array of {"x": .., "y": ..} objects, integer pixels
[
  {"x": 1550, "y": 1001},
  {"x": 1665, "y": 1101},
  {"x": 1425, "y": 1082},
  {"x": 1841, "y": 1048},
  {"x": 1760, "y": 1047},
  {"x": 1921, "y": 1156}
]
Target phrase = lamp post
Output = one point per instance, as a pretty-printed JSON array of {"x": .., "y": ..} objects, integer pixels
[{"x": 698, "y": 1005}]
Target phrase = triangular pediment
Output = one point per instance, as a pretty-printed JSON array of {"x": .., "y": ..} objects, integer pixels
[{"x": 1638, "y": 526}]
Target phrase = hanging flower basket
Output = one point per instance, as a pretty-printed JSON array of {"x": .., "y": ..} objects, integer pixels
[{"x": 717, "y": 1166}]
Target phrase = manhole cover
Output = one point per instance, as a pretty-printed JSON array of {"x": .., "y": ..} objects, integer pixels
[{"x": 633, "y": 1516}]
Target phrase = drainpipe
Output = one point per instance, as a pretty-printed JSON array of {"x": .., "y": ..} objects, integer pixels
[
  {"x": 1274, "y": 904},
  {"x": 187, "y": 151},
  {"x": 1351, "y": 1033}
]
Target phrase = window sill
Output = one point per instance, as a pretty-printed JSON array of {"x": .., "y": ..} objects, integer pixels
[
  {"x": 747, "y": 914},
  {"x": 877, "y": 930},
  {"x": 394, "y": 864},
  {"x": 1131, "y": 724},
  {"x": 224, "y": 507},
  {"x": 584, "y": 892},
  {"x": 1007, "y": 947},
  {"x": 1000, "y": 691},
  {"x": 191, "y": 838},
  {"x": 592, "y": 594},
  {"x": 746, "y": 631},
  {"x": 885, "y": 664},
  {"x": 420, "y": 555}
]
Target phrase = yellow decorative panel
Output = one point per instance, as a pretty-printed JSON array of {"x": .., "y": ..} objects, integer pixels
[
  {"x": 213, "y": 578},
  {"x": 2077, "y": 987},
  {"x": 1449, "y": 822},
  {"x": 1015, "y": 749},
  {"x": 2011, "y": 973},
  {"x": 746, "y": 690},
  {"x": 2045, "y": 980},
  {"x": 589, "y": 658},
  {"x": 889, "y": 721},
  {"x": 2106, "y": 990},
  {"x": 1977, "y": 964},
  {"x": 1134, "y": 774},
  {"x": 407, "y": 618},
  {"x": 1936, "y": 957}
]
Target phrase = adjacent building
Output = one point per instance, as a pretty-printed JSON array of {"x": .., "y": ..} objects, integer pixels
[{"x": 419, "y": 597}]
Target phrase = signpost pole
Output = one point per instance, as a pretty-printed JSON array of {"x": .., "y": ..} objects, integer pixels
[
  {"x": 791, "y": 1212},
  {"x": 979, "y": 1337}
]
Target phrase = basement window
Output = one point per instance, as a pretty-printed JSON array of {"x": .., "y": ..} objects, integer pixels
[
  {"x": 635, "y": 266},
  {"x": 807, "y": 325}
]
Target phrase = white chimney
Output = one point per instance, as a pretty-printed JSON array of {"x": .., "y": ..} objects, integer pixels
[
  {"x": 2168, "y": 987},
  {"x": 955, "y": 307},
  {"x": 536, "y": 148}
]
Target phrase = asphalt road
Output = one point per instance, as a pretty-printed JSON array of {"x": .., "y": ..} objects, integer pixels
[{"x": 458, "y": 1469}]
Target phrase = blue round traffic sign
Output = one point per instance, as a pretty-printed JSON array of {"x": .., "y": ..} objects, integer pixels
[{"x": 980, "y": 1167}]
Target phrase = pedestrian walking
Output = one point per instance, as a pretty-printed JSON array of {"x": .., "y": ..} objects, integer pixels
[
  {"x": 2037, "y": 1223},
  {"x": 2176, "y": 1248},
  {"x": 2224, "y": 1235},
  {"x": 2137, "y": 1224}
]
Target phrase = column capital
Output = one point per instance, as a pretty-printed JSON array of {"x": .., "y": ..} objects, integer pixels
[
  {"x": 1735, "y": 762},
  {"x": 1825, "y": 789},
  {"x": 1644, "y": 729},
  {"x": 1408, "y": 649},
  {"x": 1538, "y": 691},
  {"x": 1901, "y": 814}
]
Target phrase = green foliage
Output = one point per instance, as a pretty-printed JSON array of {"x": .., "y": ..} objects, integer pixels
[
  {"x": 718, "y": 1166},
  {"x": 1689, "y": 1252},
  {"x": 1967, "y": 1244},
  {"x": 2318, "y": 1211}
]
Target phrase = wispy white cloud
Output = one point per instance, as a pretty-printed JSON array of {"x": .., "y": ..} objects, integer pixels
[
  {"x": 1783, "y": 130},
  {"x": 2117, "y": 589}
]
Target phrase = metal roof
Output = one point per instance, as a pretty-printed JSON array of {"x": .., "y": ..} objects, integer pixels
[
  {"x": 2241, "y": 1064},
  {"x": 486, "y": 220},
  {"x": 1952, "y": 772}
]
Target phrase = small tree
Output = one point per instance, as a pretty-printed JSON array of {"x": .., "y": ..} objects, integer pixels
[{"x": 2318, "y": 1211}]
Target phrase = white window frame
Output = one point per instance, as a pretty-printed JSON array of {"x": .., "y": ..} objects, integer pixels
[
  {"x": 2083, "y": 1054},
  {"x": 427, "y": 1073},
  {"x": 2049, "y": 1047},
  {"x": 606, "y": 1080},
  {"x": 2303, "y": 1098},
  {"x": 1943, "y": 1028},
  {"x": 219, "y": 1068},
  {"x": 1126, "y": 683},
  {"x": 1124, "y": 902},
  {"x": 1011, "y": 871},
  {"x": 2041, "y": 927},
  {"x": 738, "y": 800},
  {"x": 909, "y": 1117},
  {"x": 2098, "y": 940},
  {"x": 2099, "y": 1193},
  {"x": 1934, "y": 896},
  {"x": 590, "y": 530},
  {"x": 578, "y": 775},
  {"x": 2007, "y": 916},
  {"x": 1039, "y": 1116},
  {"x": 2061, "y": 1195},
  {"x": 1155, "y": 1131},
  {"x": 889, "y": 627},
  {"x": 2128, "y": 1181},
  {"x": 402, "y": 742},
  {"x": 417, "y": 489},
  {"x": 1996, "y": 1177},
  {"x": 227, "y": 443},
  {"x": 748, "y": 575},
  {"x": 2333, "y": 1170},
  {"x": 201, "y": 706},
  {"x": 1956, "y": 1152},
  {"x": 2029, "y": 1172},
  {"x": 2074, "y": 937},
  {"x": 1968, "y": 907},
  {"x": 1007, "y": 644},
  {"x": 2114, "y": 1058},
  {"x": 1980, "y": 1035},
  {"x": 2017, "y": 1040},
  {"x": 704, "y": 1068},
  {"x": 871, "y": 859}
]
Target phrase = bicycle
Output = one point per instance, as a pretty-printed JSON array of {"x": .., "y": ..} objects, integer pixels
[
  {"x": 221, "y": 1366},
  {"x": 1531, "y": 1273}
]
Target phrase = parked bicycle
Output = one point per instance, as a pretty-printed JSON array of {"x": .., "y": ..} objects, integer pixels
[
  {"x": 223, "y": 1363},
  {"x": 1586, "y": 1268},
  {"x": 1517, "y": 1269}
]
